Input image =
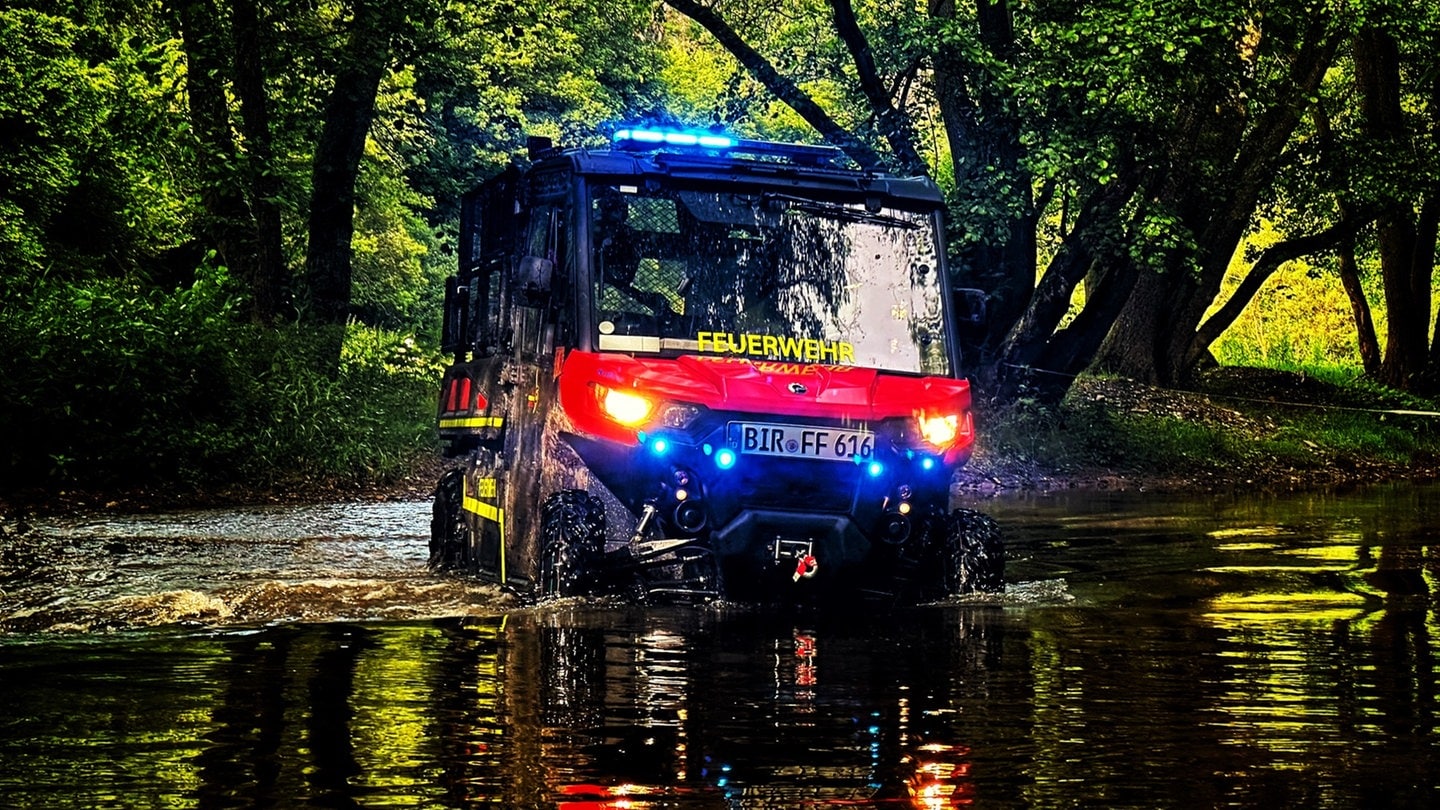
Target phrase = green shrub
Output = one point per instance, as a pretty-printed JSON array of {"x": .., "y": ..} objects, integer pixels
[{"x": 109, "y": 384}]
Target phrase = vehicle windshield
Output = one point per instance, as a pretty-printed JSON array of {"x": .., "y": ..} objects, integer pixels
[{"x": 766, "y": 276}]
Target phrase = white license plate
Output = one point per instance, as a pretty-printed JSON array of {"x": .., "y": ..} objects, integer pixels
[{"x": 802, "y": 441}]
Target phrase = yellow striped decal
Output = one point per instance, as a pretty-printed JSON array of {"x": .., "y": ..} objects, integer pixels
[
  {"x": 472, "y": 422},
  {"x": 486, "y": 511}
]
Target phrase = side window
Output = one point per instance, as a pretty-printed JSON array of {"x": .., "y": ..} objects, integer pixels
[
  {"x": 474, "y": 298},
  {"x": 546, "y": 239},
  {"x": 541, "y": 240}
]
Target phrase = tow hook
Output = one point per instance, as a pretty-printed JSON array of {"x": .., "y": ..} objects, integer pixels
[
  {"x": 807, "y": 567},
  {"x": 802, "y": 552}
]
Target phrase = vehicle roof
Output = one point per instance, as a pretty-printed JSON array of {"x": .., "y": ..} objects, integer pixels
[{"x": 719, "y": 167}]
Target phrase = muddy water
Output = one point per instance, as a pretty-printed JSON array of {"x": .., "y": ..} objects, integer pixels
[{"x": 1151, "y": 652}]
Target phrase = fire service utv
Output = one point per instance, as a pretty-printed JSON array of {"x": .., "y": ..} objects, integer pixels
[{"x": 694, "y": 366}]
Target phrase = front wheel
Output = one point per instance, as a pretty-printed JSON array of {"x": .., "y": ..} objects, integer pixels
[
  {"x": 972, "y": 554},
  {"x": 572, "y": 539}
]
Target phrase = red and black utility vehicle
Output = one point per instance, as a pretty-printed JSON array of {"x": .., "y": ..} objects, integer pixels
[{"x": 700, "y": 366}]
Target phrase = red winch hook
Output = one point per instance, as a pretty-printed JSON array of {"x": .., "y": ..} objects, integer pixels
[{"x": 807, "y": 567}]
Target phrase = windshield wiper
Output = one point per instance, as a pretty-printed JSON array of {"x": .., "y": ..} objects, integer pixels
[{"x": 839, "y": 211}]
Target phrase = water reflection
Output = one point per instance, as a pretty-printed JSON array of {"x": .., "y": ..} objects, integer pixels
[{"x": 1154, "y": 653}]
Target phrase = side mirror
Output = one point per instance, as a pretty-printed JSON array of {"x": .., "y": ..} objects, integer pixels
[
  {"x": 969, "y": 308},
  {"x": 534, "y": 275}
]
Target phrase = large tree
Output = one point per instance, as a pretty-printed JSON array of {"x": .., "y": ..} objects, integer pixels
[
  {"x": 294, "y": 105},
  {"x": 1409, "y": 206},
  {"x": 1107, "y": 160}
]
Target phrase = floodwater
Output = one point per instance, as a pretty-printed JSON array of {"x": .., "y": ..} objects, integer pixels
[{"x": 1150, "y": 652}]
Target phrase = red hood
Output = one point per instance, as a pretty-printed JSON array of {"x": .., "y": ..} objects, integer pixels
[{"x": 771, "y": 388}]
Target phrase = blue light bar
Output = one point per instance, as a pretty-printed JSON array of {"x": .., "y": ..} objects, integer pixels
[
  {"x": 655, "y": 137},
  {"x": 673, "y": 137}
]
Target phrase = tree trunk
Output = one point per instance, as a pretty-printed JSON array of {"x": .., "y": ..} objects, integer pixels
[
  {"x": 1208, "y": 133},
  {"x": 984, "y": 140},
  {"x": 1430, "y": 218},
  {"x": 1134, "y": 341},
  {"x": 1405, "y": 276},
  {"x": 894, "y": 124},
  {"x": 1369, "y": 343},
  {"x": 227, "y": 225},
  {"x": 1252, "y": 171},
  {"x": 1274, "y": 257},
  {"x": 1427, "y": 234},
  {"x": 1032, "y": 345},
  {"x": 782, "y": 88},
  {"x": 348, "y": 114},
  {"x": 270, "y": 278}
]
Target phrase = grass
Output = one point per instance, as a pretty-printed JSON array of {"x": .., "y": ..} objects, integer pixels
[{"x": 1233, "y": 427}]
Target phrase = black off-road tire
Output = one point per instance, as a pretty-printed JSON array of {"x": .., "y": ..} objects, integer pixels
[
  {"x": 449, "y": 534},
  {"x": 971, "y": 554},
  {"x": 572, "y": 540}
]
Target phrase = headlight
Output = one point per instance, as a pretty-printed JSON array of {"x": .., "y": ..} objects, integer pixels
[
  {"x": 940, "y": 430},
  {"x": 624, "y": 407}
]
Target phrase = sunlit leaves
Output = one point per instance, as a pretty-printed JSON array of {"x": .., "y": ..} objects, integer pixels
[{"x": 83, "y": 111}]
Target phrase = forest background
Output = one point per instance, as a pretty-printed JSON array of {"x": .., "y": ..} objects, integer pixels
[{"x": 225, "y": 224}]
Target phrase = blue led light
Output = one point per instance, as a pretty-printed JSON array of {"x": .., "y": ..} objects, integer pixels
[
  {"x": 706, "y": 448},
  {"x": 927, "y": 463},
  {"x": 641, "y": 135},
  {"x": 674, "y": 137},
  {"x": 724, "y": 458},
  {"x": 875, "y": 469},
  {"x": 659, "y": 447}
]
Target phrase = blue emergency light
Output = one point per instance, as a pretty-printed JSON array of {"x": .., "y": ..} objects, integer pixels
[
  {"x": 724, "y": 458},
  {"x": 672, "y": 137},
  {"x": 657, "y": 137}
]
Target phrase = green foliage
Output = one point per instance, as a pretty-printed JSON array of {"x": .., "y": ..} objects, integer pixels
[
  {"x": 1300, "y": 320},
  {"x": 497, "y": 72},
  {"x": 113, "y": 385},
  {"x": 85, "y": 114},
  {"x": 365, "y": 424}
]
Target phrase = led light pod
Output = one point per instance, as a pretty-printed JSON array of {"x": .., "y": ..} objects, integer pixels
[
  {"x": 940, "y": 430},
  {"x": 627, "y": 408}
]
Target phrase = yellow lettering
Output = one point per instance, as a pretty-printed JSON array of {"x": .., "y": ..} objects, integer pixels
[{"x": 779, "y": 347}]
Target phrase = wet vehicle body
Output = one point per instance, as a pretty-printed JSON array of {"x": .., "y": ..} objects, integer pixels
[{"x": 692, "y": 365}]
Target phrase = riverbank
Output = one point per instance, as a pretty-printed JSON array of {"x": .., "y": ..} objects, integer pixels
[{"x": 1239, "y": 428}]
